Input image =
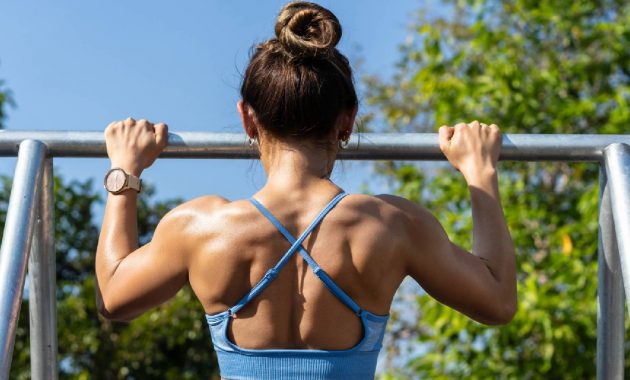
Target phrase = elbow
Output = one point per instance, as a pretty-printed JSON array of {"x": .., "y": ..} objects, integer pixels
[
  {"x": 113, "y": 316},
  {"x": 505, "y": 305},
  {"x": 111, "y": 313},
  {"x": 503, "y": 314}
]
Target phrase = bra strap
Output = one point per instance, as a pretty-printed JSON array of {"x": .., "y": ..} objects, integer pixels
[
  {"x": 319, "y": 272},
  {"x": 296, "y": 244}
]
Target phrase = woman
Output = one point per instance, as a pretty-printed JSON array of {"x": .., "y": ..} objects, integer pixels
[{"x": 297, "y": 282}]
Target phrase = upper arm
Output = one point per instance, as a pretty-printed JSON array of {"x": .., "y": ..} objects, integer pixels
[
  {"x": 155, "y": 272},
  {"x": 446, "y": 271},
  {"x": 151, "y": 274}
]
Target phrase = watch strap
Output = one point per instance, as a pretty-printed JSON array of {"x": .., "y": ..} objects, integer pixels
[{"x": 133, "y": 182}]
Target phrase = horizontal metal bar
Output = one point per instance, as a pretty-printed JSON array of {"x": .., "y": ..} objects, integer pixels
[
  {"x": 363, "y": 146},
  {"x": 16, "y": 243}
]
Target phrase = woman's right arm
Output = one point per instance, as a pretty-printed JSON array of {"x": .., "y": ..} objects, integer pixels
[{"x": 481, "y": 285}]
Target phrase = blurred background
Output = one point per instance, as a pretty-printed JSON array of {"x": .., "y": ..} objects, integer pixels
[{"x": 530, "y": 67}]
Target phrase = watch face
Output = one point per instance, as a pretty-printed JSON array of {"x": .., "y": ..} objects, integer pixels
[{"x": 115, "y": 180}]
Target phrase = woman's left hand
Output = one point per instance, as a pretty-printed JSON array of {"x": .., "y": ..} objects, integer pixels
[{"x": 134, "y": 145}]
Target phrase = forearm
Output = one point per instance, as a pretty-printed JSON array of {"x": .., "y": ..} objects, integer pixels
[
  {"x": 492, "y": 242},
  {"x": 119, "y": 235}
]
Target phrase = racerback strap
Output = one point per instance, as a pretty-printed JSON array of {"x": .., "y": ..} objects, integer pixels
[{"x": 296, "y": 244}]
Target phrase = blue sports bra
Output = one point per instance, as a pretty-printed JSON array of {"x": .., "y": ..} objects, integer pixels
[{"x": 358, "y": 362}]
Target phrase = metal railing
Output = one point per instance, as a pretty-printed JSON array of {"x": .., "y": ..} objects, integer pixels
[{"x": 29, "y": 221}]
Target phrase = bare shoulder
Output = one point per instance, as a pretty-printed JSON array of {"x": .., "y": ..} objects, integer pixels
[
  {"x": 397, "y": 213},
  {"x": 204, "y": 204},
  {"x": 411, "y": 211},
  {"x": 185, "y": 218},
  {"x": 413, "y": 220},
  {"x": 400, "y": 230},
  {"x": 367, "y": 206},
  {"x": 381, "y": 201}
]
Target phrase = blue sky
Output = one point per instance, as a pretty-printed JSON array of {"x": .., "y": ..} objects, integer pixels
[{"x": 78, "y": 65}]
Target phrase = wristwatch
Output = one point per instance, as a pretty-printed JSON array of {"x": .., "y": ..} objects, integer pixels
[{"x": 117, "y": 181}]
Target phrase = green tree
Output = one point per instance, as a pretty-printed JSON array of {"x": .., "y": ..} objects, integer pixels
[
  {"x": 168, "y": 342},
  {"x": 5, "y": 100},
  {"x": 530, "y": 67}
]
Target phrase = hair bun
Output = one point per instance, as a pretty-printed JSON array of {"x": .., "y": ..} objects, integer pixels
[{"x": 307, "y": 30}]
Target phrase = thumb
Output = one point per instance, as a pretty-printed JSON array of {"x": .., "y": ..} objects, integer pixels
[{"x": 445, "y": 135}]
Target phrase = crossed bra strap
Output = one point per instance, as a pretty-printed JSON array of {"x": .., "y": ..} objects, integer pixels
[{"x": 296, "y": 245}]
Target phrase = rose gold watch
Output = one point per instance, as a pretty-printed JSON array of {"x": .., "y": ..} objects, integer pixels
[{"x": 117, "y": 181}]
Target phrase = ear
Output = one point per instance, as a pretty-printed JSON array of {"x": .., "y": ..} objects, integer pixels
[
  {"x": 247, "y": 119},
  {"x": 347, "y": 122}
]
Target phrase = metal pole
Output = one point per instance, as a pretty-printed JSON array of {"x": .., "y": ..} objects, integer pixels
[
  {"x": 16, "y": 243},
  {"x": 610, "y": 294},
  {"x": 362, "y": 146},
  {"x": 617, "y": 162},
  {"x": 42, "y": 285}
]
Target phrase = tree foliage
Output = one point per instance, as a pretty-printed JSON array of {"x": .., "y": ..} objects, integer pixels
[
  {"x": 5, "y": 100},
  {"x": 530, "y": 67},
  {"x": 168, "y": 342}
]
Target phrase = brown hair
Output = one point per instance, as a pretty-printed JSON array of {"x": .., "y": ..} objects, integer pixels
[{"x": 298, "y": 83}]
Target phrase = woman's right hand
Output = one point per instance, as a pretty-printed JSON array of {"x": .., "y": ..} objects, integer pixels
[{"x": 471, "y": 148}]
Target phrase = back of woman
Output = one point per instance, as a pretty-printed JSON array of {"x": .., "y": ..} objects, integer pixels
[
  {"x": 298, "y": 280},
  {"x": 355, "y": 244}
]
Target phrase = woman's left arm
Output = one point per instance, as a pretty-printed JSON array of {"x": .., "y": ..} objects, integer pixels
[{"x": 131, "y": 280}]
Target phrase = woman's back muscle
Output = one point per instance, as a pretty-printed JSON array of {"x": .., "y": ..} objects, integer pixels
[{"x": 355, "y": 244}]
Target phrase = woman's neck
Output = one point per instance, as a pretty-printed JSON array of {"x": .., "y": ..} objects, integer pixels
[{"x": 296, "y": 165}]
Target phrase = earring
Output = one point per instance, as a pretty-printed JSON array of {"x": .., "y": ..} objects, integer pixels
[
  {"x": 251, "y": 141},
  {"x": 343, "y": 143}
]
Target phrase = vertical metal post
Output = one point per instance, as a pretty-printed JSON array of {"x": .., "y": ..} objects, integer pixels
[
  {"x": 42, "y": 284},
  {"x": 610, "y": 294},
  {"x": 617, "y": 162},
  {"x": 16, "y": 241}
]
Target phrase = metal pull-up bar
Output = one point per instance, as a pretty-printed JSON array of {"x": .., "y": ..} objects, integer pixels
[
  {"x": 362, "y": 146},
  {"x": 29, "y": 222}
]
